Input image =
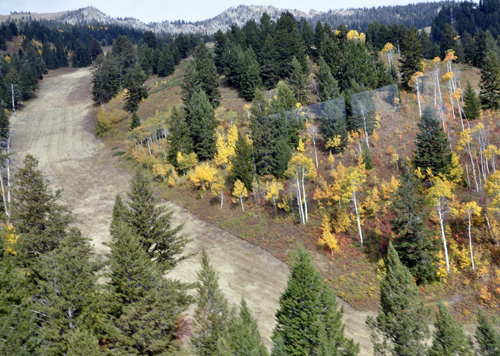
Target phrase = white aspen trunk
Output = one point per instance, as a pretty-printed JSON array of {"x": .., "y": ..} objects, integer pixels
[
  {"x": 439, "y": 209},
  {"x": 13, "y": 106},
  {"x": 470, "y": 243},
  {"x": 467, "y": 170},
  {"x": 473, "y": 169},
  {"x": 315, "y": 151},
  {"x": 418, "y": 98},
  {"x": 4, "y": 198},
  {"x": 366, "y": 132},
  {"x": 357, "y": 216},
  {"x": 221, "y": 198},
  {"x": 299, "y": 199},
  {"x": 304, "y": 194},
  {"x": 241, "y": 201},
  {"x": 8, "y": 167}
]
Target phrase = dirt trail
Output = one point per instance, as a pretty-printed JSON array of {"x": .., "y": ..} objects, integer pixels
[{"x": 57, "y": 128}]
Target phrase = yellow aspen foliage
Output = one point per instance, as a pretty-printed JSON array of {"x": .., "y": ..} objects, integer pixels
[
  {"x": 283, "y": 205},
  {"x": 375, "y": 136},
  {"x": 394, "y": 158},
  {"x": 239, "y": 192},
  {"x": 301, "y": 165},
  {"x": 484, "y": 294},
  {"x": 436, "y": 60},
  {"x": 441, "y": 189},
  {"x": 390, "y": 150},
  {"x": 226, "y": 147},
  {"x": 166, "y": 172},
  {"x": 414, "y": 78},
  {"x": 334, "y": 142},
  {"x": 456, "y": 170},
  {"x": 423, "y": 65},
  {"x": 185, "y": 162},
  {"x": 273, "y": 190},
  {"x": 450, "y": 56},
  {"x": 204, "y": 174},
  {"x": 387, "y": 48},
  {"x": 387, "y": 188},
  {"x": 457, "y": 94},
  {"x": 441, "y": 271},
  {"x": 327, "y": 238},
  {"x": 342, "y": 221},
  {"x": 218, "y": 187},
  {"x": 8, "y": 234},
  {"x": 7, "y": 59},
  {"x": 491, "y": 152},
  {"x": 301, "y": 147},
  {"x": 331, "y": 159},
  {"x": 447, "y": 76}
]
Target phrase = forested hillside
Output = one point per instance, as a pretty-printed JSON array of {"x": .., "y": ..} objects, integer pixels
[{"x": 365, "y": 160}]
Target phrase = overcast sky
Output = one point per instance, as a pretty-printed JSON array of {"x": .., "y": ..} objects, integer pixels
[{"x": 189, "y": 10}]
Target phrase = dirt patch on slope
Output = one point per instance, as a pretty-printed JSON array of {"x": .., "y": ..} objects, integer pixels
[{"x": 57, "y": 128}]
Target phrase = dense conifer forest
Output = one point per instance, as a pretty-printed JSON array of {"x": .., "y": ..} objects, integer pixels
[{"x": 375, "y": 146}]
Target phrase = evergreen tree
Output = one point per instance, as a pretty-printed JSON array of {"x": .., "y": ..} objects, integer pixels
[
  {"x": 298, "y": 82},
  {"x": 327, "y": 86},
  {"x": 143, "y": 305},
  {"x": 83, "y": 343},
  {"x": 4, "y": 125},
  {"x": 333, "y": 124},
  {"x": 488, "y": 338},
  {"x": 490, "y": 82},
  {"x": 119, "y": 214},
  {"x": 150, "y": 39},
  {"x": 432, "y": 146},
  {"x": 206, "y": 74},
  {"x": 288, "y": 43},
  {"x": 449, "y": 338},
  {"x": 134, "y": 83},
  {"x": 472, "y": 107},
  {"x": 243, "y": 337},
  {"x": 189, "y": 84},
  {"x": 305, "y": 305},
  {"x": 250, "y": 76},
  {"x": 166, "y": 63},
  {"x": 105, "y": 79},
  {"x": 211, "y": 314},
  {"x": 153, "y": 225},
  {"x": 179, "y": 138},
  {"x": 307, "y": 35},
  {"x": 330, "y": 52},
  {"x": 367, "y": 157},
  {"x": 242, "y": 163},
  {"x": 279, "y": 348},
  {"x": 36, "y": 214},
  {"x": 136, "y": 122},
  {"x": 268, "y": 67},
  {"x": 411, "y": 58},
  {"x": 66, "y": 288},
  {"x": 414, "y": 243},
  {"x": 400, "y": 328},
  {"x": 95, "y": 49},
  {"x": 202, "y": 125}
]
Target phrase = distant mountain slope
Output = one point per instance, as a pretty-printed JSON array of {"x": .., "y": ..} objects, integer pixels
[{"x": 420, "y": 15}]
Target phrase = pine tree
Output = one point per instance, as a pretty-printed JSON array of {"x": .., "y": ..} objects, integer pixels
[
  {"x": 95, "y": 49},
  {"x": 136, "y": 122},
  {"x": 119, "y": 214},
  {"x": 83, "y": 343},
  {"x": 298, "y": 82},
  {"x": 488, "y": 338},
  {"x": 189, "y": 84},
  {"x": 305, "y": 304},
  {"x": 202, "y": 125},
  {"x": 211, "y": 313},
  {"x": 243, "y": 335},
  {"x": 449, "y": 338},
  {"x": 400, "y": 328},
  {"x": 472, "y": 107},
  {"x": 242, "y": 163},
  {"x": 36, "y": 214},
  {"x": 327, "y": 86},
  {"x": 105, "y": 79},
  {"x": 432, "y": 146},
  {"x": 134, "y": 83},
  {"x": 166, "y": 63},
  {"x": 414, "y": 243},
  {"x": 333, "y": 124},
  {"x": 490, "y": 82},
  {"x": 331, "y": 54},
  {"x": 411, "y": 58},
  {"x": 66, "y": 288},
  {"x": 288, "y": 43},
  {"x": 206, "y": 74},
  {"x": 179, "y": 138},
  {"x": 153, "y": 225},
  {"x": 269, "y": 68},
  {"x": 143, "y": 305}
]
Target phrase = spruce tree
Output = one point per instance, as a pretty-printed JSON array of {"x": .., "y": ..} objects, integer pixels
[
  {"x": 411, "y": 58},
  {"x": 66, "y": 289},
  {"x": 307, "y": 306},
  {"x": 327, "y": 86},
  {"x": 179, "y": 138},
  {"x": 202, "y": 125},
  {"x": 4, "y": 125},
  {"x": 472, "y": 107},
  {"x": 143, "y": 305},
  {"x": 39, "y": 219},
  {"x": 490, "y": 82},
  {"x": 333, "y": 124},
  {"x": 400, "y": 329},
  {"x": 414, "y": 243},
  {"x": 269, "y": 68},
  {"x": 82, "y": 342},
  {"x": 206, "y": 74},
  {"x": 367, "y": 157},
  {"x": 331, "y": 54},
  {"x": 298, "y": 82},
  {"x": 136, "y": 122},
  {"x": 487, "y": 336},
  {"x": 189, "y": 84},
  {"x": 250, "y": 76},
  {"x": 134, "y": 83},
  {"x": 242, "y": 163},
  {"x": 449, "y": 338},
  {"x": 433, "y": 149},
  {"x": 211, "y": 314},
  {"x": 153, "y": 224},
  {"x": 119, "y": 214},
  {"x": 288, "y": 43},
  {"x": 166, "y": 63},
  {"x": 243, "y": 335}
]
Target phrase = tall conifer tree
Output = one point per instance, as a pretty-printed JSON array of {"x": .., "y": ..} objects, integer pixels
[
  {"x": 206, "y": 74},
  {"x": 487, "y": 336},
  {"x": 202, "y": 125},
  {"x": 472, "y": 107},
  {"x": 411, "y": 58},
  {"x": 490, "y": 82},
  {"x": 179, "y": 138}
]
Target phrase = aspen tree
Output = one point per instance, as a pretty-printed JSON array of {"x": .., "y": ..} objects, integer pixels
[
  {"x": 240, "y": 192},
  {"x": 352, "y": 184},
  {"x": 469, "y": 209}
]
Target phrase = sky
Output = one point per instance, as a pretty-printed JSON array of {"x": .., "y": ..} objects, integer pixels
[{"x": 188, "y": 10}]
